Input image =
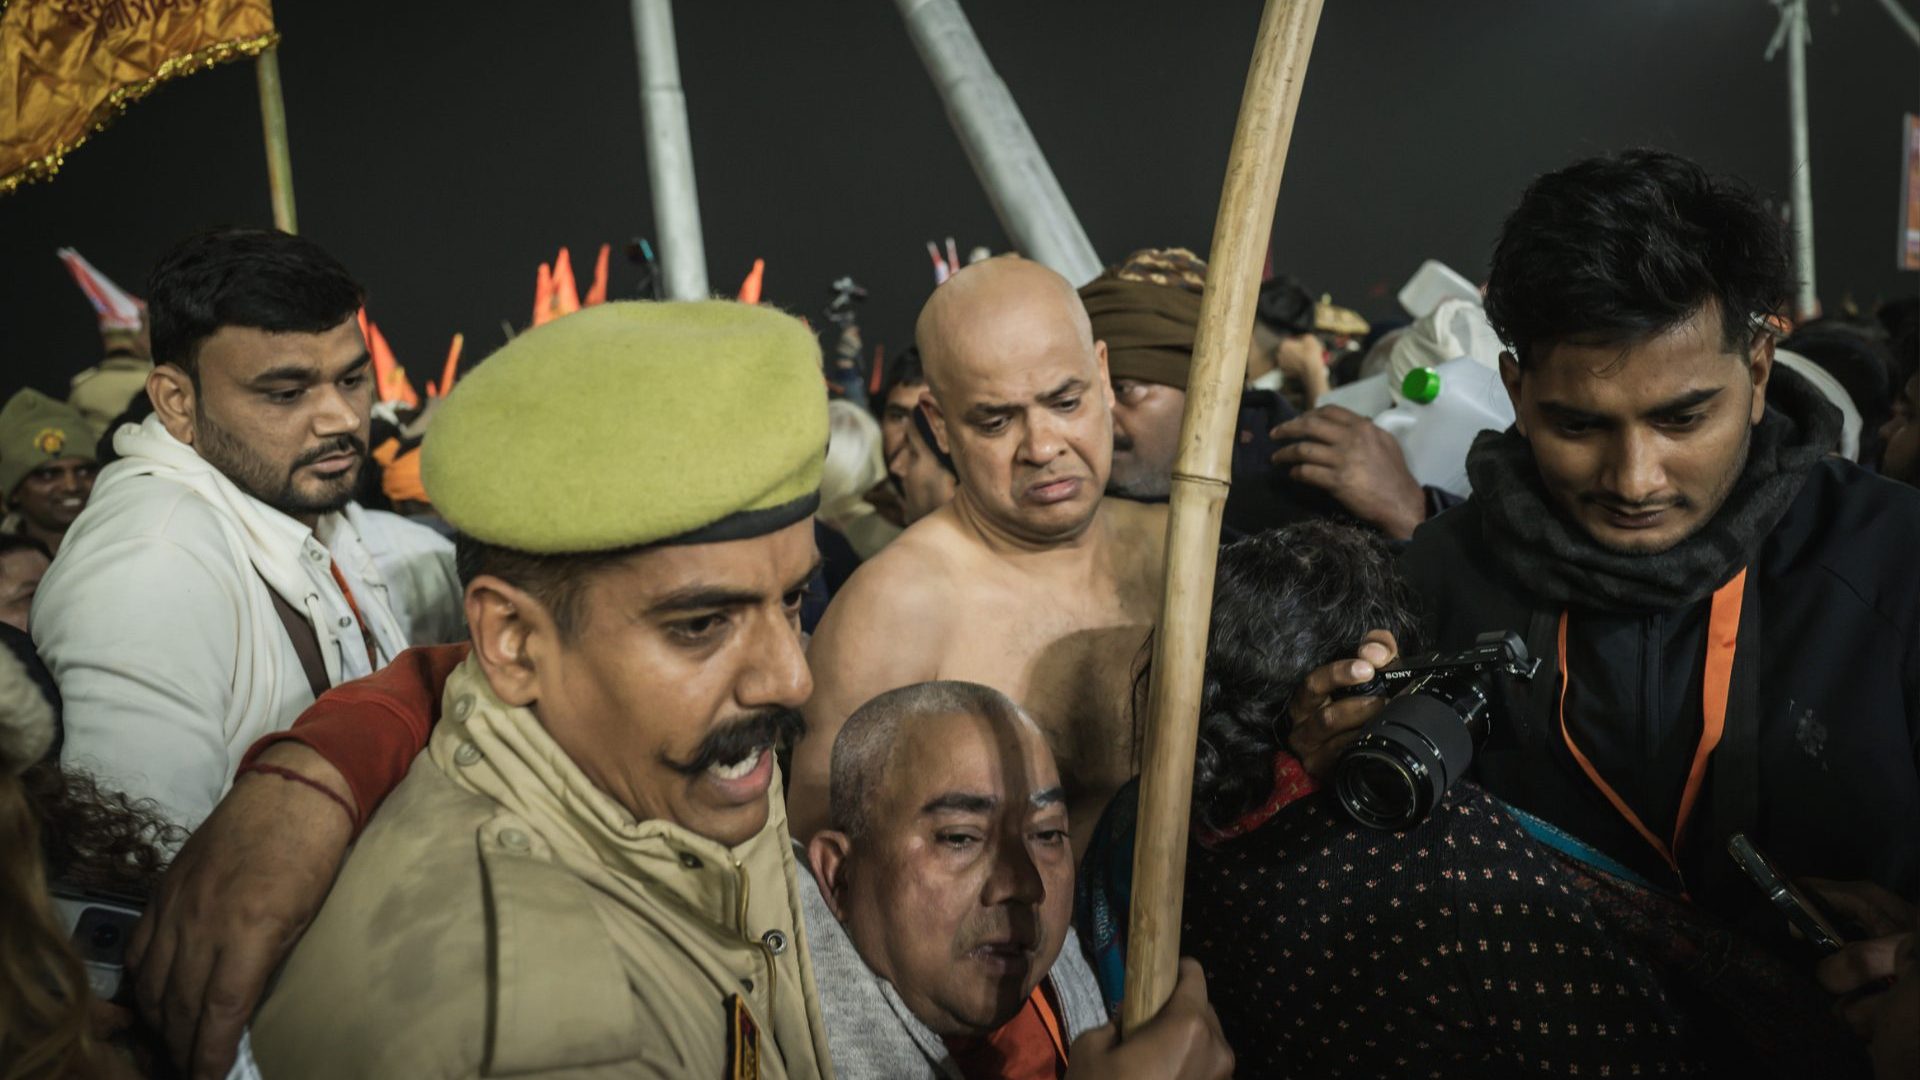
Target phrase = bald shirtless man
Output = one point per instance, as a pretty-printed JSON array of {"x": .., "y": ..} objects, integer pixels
[{"x": 1028, "y": 581}]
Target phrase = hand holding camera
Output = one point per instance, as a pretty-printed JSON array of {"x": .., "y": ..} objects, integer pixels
[
  {"x": 1323, "y": 723},
  {"x": 1394, "y": 739}
]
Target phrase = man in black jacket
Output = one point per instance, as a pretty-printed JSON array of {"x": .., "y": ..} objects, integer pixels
[{"x": 1728, "y": 618}]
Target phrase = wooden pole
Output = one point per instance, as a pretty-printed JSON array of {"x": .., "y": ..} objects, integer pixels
[
  {"x": 273, "y": 117},
  {"x": 1200, "y": 476}
]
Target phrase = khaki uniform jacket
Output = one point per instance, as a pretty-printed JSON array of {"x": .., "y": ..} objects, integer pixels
[
  {"x": 501, "y": 916},
  {"x": 102, "y": 392}
]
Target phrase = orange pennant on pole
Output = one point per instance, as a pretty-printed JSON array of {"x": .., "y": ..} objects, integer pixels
[
  {"x": 566, "y": 296},
  {"x": 389, "y": 378},
  {"x": 543, "y": 295},
  {"x": 750, "y": 288},
  {"x": 598, "y": 293},
  {"x": 452, "y": 367}
]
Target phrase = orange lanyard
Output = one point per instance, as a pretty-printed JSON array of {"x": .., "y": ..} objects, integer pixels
[
  {"x": 1047, "y": 1017},
  {"x": 1723, "y": 631},
  {"x": 366, "y": 636}
]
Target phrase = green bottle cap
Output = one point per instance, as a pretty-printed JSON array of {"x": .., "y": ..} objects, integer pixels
[{"x": 1421, "y": 386}]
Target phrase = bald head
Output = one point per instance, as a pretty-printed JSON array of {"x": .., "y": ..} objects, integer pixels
[
  {"x": 997, "y": 307},
  {"x": 1018, "y": 397},
  {"x": 879, "y": 730}
]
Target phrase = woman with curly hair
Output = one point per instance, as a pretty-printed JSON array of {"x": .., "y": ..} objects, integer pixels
[
  {"x": 57, "y": 826},
  {"x": 1475, "y": 944}
]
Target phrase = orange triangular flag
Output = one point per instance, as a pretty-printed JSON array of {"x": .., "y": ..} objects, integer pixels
[
  {"x": 543, "y": 295},
  {"x": 598, "y": 293},
  {"x": 452, "y": 366},
  {"x": 566, "y": 295},
  {"x": 750, "y": 288},
  {"x": 389, "y": 378}
]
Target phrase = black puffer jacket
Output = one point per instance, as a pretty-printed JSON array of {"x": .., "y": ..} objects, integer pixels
[{"x": 1820, "y": 760}]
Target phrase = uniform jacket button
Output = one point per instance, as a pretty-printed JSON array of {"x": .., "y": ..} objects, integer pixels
[
  {"x": 468, "y": 754},
  {"x": 462, "y": 706},
  {"x": 513, "y": 839},
  {"x": 689, "y": 860},
  {"x": 775, "y": 941}
]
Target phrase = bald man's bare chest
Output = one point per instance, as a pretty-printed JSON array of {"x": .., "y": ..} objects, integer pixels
[{"x": 1067, "y": 657}]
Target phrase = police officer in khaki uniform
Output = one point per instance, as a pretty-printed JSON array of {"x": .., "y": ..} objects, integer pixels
[
  {"x": 102, "y": 392},
  {"x": 46, "y": 467},
  {"x": 588, "y": 872}
]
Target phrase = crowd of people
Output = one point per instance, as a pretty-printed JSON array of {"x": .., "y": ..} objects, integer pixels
[{"x": 671, "y": 698}]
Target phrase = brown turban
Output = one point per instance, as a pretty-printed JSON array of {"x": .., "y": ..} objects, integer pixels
[{"x": 1147, "y": 310}]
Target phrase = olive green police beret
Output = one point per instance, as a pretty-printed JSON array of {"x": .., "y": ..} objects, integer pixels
[
  {"x": 634, "y": 423},
  {"x": 36, "y": 430}
]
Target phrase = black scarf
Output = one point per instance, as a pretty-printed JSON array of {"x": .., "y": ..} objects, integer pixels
[{"x": 1560, "y": 564}]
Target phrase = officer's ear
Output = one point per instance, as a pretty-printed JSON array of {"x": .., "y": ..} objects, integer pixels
[
  {"x": 827, "y": 855},
  {"x": 505, "y": 623}
]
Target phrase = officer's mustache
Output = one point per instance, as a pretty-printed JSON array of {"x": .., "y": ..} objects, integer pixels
[{"x": 734, "y": 740}]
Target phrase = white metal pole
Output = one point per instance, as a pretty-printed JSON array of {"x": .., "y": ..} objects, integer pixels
[
  {"x": 1025, "y": 195},
  {"x": 1905, "y": 20},
  {"x": 1806, "y": 304},
  {"x": 663, "y": 106},
  {"x": 1794, "y": 34}
]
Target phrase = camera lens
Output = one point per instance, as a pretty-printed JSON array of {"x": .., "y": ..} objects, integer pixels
[
  {"x": 1404, "y": 762},
  {"x": 1378, "y": 789},
  {"x": 105, "y": 937}
]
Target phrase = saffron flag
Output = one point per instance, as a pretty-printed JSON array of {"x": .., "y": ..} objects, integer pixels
[
  {"x": 69, "y": 67},
  {"x": 390, "y": 382}
]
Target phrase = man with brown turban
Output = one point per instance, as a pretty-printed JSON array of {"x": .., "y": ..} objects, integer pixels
[{"x": 1147, "y": 311}]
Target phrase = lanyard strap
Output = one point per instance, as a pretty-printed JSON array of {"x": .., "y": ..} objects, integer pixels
[
  {"x": 1723, "y": 631},
  {"x": 1043, "y": 1004},
  {"x": 366, "y": 636}
]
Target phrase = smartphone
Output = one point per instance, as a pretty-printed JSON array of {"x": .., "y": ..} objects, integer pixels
[
  {"x": 1799, "y": 909},
  {"x": 99, "y": 928}
]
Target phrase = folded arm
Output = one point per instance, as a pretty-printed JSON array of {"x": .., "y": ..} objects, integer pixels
[
  {"x": 371, "y": 729},
  {"x": 248, "y": 882}
]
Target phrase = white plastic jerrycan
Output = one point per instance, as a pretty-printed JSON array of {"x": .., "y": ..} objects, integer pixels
[{"x": 1437, "y": 414}]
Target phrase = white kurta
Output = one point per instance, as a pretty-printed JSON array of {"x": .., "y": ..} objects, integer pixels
[{"x": 158, "y": 625}]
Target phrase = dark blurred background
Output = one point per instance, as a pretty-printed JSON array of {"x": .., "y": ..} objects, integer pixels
[{"x": 443, "y": 150}]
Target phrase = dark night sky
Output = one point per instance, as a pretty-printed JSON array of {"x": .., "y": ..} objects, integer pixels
[{"x": 442, "y": 150}]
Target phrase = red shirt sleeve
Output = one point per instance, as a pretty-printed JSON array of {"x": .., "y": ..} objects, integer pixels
[{"x": 371, "y": 729}]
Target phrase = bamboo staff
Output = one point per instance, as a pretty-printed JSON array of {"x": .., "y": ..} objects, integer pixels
[
  {"x": 273, "y": 117},
  {"x": 1267, "y": 109}
]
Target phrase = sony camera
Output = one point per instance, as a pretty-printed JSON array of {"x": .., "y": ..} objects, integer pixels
[{"x": 1439, "y": 712}]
